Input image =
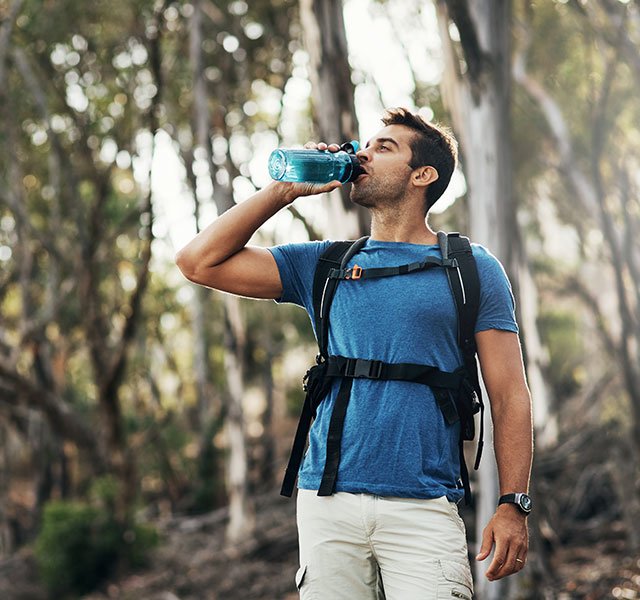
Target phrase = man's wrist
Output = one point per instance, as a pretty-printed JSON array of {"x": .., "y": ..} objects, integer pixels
[
  {"x": 284, "y": 192},
  {"x": 521, "y": 501},
  {"x": 511, "y": 510}
]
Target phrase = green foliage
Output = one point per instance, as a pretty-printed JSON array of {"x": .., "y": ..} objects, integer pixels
[
  {"x": 80, "y": 545},
  {"x": 209, "y": 487},
  {"x": 295, "y": 399},
  {"x": 560, "y": 330}
]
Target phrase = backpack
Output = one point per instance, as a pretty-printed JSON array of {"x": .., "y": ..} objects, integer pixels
[{"x": 458, "y": 393}]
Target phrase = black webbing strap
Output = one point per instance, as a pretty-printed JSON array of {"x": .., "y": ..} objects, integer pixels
[
  {"x": 317, "y": 381},
  {"x": 465, "y": 286},
  {"x": 357, "y": 272},
  {"x": 334, "y": 438},
  {"x": 317, "y": 385},
  {"x": 464, "y": 474},
  {"x": 341, "y": 366},
  {"x": 446, "y": 386},
  {"x": 330, "y": 259},
  {"x": 297, "y": 450},
  {"x": 324, "y": 288}
]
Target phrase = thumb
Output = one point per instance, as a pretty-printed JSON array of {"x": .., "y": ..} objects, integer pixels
[{"x": 487, "y": 544}]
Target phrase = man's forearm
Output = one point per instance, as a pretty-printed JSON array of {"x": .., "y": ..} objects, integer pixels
[
  {"x": 230, "y": 232},
  {"x": 513, "y": 443}
]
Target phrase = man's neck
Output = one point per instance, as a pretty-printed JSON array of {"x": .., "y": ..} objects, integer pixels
[{"x": 389, "y": 226}]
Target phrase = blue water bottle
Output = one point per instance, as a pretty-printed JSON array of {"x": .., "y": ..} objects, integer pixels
[{"x": 316, "y": 166}]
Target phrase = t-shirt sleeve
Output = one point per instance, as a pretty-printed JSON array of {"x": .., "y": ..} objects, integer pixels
[
  {"x": 497, "y": 304},
  {"x": 297, "y": 265}
]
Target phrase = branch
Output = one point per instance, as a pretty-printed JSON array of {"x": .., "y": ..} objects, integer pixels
[
  {"x": 116, "y": 372},
  {"x": 61, "y": 418},
  {"x": 311, "y": 231},
  {"x": 5, "y": 35},
  {"x": 557, "y": 126},
  {"x": 631, "y": 232},
  {"x": 610, "y": 32},
  {"x": 575, "y": 286}
]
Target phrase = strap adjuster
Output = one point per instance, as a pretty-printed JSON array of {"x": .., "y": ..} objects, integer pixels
[
  {"x": 354, "y": 273},
  {"x": 365, "y": 369},
  {"x": 375, "y": 369}
]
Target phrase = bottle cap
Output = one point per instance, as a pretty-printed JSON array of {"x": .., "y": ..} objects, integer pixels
[{"x": 350, "y": 147}]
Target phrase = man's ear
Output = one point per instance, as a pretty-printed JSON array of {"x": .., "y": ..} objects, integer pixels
[{"x": 423, "y": 176}]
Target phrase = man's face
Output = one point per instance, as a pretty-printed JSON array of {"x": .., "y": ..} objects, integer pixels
[{"x": 386, "y": 159}]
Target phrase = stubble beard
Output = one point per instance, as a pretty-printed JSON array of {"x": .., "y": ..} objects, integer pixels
[{"x": 371, "y": 192}]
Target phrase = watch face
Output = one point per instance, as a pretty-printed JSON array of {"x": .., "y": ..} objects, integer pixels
[{"x": 525, "y": 502}]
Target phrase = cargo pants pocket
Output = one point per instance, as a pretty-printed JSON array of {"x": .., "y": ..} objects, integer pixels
[{"x": 454, "y": 581}]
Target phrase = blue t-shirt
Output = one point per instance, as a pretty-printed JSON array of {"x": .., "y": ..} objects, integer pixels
[{"x": 395, "y": 440}]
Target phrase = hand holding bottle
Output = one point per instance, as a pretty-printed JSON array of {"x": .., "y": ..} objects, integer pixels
[{"x": 316, "y": 169}]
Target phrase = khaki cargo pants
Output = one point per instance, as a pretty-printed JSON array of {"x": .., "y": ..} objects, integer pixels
[{"x": 365, "y": 547}]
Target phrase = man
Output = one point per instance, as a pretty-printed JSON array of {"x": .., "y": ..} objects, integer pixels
[{"x": 392, "y": 521}]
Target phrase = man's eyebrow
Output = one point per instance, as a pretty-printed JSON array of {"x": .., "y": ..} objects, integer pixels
[{"x": 382, "y": 140}]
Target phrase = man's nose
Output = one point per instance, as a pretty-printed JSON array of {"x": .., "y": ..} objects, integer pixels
[{"x": 362, "y": 156}]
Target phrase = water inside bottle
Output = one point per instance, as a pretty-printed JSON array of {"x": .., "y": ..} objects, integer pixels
[{"x": 309, "y": 166}]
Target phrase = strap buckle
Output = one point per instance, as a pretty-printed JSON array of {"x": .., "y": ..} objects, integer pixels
[
  {"x": 356, "y": 272},
  {"x": 375, "y": 369},
  {"x": 367, "y": 369}
]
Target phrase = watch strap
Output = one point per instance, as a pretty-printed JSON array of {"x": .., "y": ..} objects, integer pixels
[{"x": 520, "y": 499}]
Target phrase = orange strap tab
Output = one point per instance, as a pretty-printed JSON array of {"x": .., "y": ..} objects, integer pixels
[{"x": 356, "y": 272}]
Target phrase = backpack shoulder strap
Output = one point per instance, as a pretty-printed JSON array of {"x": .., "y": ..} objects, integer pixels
[
  {"x": 465, "y": 285},
  {"x": 336, "y": 256}
]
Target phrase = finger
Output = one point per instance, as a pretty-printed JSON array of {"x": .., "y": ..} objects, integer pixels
[
  {"x": 311, "y": 189},
  {"x": 514, "y": 561},
  {"x": 496, "y": 565},
  {"x": 322, "y": 146},
  {"x": 332, "y": 185},
  {"x": 509, "y": 566},
  {"x": 326, "y": 187},
  {"x": 333, "y": 147},
  {"x": 521, "y": 557},
  {"x": 499, "y": 559},
  {"x": 311, "y": 145},
  {"x": 487, "y": 544}
]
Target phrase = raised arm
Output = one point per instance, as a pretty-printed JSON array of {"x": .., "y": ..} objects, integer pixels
[{"x": 218, "y": 257}]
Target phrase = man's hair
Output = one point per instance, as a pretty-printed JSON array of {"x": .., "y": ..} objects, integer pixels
[{"x": 433, "y": 146}]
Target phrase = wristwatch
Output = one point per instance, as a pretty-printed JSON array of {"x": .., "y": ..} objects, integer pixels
[{"x": 521, "y": 500}]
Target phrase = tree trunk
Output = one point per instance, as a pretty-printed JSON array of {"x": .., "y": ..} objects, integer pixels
[
  {"x": 268, "y": 455},
  {"x": 241, "y": 510},
  {"x": 479, "y": 102},
  {"x": 333, "y": 99},
  {"x": 545, "y": 422}
]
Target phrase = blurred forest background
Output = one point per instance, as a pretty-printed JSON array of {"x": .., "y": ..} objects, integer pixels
[{"x": 144, "y": 423}]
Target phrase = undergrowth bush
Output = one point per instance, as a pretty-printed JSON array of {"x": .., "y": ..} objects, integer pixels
[{"x": 79, "y": 545}]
